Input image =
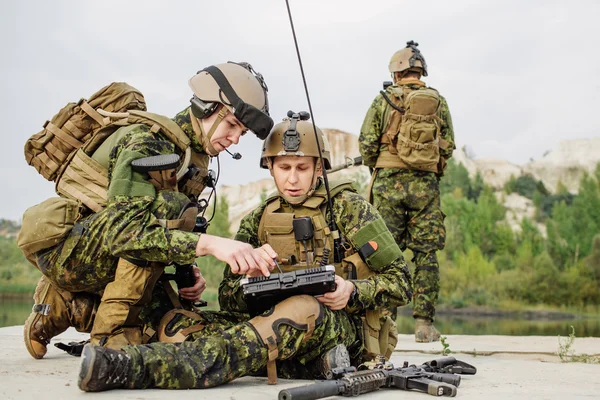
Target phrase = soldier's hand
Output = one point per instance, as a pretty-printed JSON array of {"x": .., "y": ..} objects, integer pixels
[
  {"x": 240, "y": 256},
  {"x": 268, "y": 251},
  {"x": 193, "y": 293},
  {"x": 338, "y": 299}
]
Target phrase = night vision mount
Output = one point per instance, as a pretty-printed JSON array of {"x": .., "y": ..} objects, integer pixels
[{"x": 291, "y": 137}]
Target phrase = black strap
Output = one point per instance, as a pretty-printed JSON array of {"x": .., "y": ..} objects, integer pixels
[
  {"x": 366, "y": 250},
  {"x": 72, "y": 348},
  {"x": 395, "y": 107},
  {"x": 224, "y": 85}
]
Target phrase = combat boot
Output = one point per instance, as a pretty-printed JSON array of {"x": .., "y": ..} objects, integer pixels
[
  {"x": 425, "y": 332},
  {"x": 104, "y": 369},
  {"x": 54, "y": 311},
  {"x": 117, "y": 322},
  {"x": 337, "y": 357}
]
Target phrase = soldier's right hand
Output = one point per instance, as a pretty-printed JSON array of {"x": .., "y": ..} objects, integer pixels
[{"x": 241, "y": 257}]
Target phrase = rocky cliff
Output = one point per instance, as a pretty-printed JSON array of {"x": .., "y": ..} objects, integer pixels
[{"x": 566, "y": 164}]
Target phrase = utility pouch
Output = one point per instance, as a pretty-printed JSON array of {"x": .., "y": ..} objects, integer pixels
[
  {"x": 380, "y": 334},
  {"x": 418, "y": 140},
  {"x": 46, "y": 224}
]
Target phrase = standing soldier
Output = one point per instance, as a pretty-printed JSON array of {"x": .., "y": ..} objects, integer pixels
[{"x": 406, "y": 138}]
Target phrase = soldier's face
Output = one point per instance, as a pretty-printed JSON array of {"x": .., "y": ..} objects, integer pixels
[
  {"x": 228, "y": 131},
  {"x": 294, "y": 175}
]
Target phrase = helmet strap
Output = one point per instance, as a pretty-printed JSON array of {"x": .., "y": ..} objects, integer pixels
[{"x": 205, "y": 137}]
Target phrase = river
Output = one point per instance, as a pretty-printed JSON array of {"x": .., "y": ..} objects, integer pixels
[{"x": 15, "y": 312}]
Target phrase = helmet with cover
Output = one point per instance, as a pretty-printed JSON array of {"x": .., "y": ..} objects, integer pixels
[
  {"x": 409, "y": 58},
  {"x": 295, "y": 136},
  {"x": 239, "y": 88}
]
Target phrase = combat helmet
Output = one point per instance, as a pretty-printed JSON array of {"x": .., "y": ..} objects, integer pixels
[
  {"x": 295, "y": 136},
  {"x": 409, "y": 58},
  {"x": 239, "y": 88}
]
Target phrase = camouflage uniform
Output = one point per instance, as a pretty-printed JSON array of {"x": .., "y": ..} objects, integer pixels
[
  {"x": 128, "y": 226},
  {"x": 228, "y": 346},
  {"x": 409, "y": 201}
]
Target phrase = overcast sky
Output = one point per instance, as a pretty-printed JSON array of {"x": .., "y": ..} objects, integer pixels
[{"x": 519, "y": 76}]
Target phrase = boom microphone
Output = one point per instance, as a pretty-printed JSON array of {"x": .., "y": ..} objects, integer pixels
[{"x": 235, "y": 156}]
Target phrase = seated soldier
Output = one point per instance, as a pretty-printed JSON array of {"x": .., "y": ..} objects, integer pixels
[{"x": 305, "y": 335}]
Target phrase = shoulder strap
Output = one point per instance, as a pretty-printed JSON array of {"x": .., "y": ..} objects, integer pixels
[{"x": 161, "y": 123}]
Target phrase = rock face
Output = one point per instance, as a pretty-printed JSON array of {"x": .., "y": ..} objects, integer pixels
[{"x": 567, "y": 164}]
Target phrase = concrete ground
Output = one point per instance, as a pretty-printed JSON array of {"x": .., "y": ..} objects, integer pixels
[{"x": 508, "y": 367}]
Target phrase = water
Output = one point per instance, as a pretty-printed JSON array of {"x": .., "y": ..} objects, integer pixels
[
  {"x": 486, "y": 325},
  {"x": 15, "y": 312}
]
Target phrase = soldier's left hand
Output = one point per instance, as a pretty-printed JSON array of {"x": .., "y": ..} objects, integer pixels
[
  {"x": 338, "y": 299},
  {"x": 193, "y": 293}
]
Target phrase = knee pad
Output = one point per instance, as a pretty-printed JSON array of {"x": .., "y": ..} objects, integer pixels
[
  {"x": 302, "y": 312},
  {"x": 177, "y": 325}
]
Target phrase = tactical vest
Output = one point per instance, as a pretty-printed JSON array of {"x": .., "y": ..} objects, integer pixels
[
  {"x": 275, "y": 228},
  {"x": 412, "y": 129}
]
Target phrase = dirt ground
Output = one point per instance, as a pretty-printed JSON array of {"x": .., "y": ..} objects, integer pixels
[{"x": 508, "y": 367}]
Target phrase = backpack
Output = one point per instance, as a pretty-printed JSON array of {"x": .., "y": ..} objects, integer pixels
[
  {"x": 414, "y": 127},
  {"x": 50, "y": 150},
  {"x": 64, "y": 150}
]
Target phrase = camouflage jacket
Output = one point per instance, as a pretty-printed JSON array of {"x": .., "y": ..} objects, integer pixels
[
  {"x": 133, "y": 207},
  {"x": 374, "y": 126},
  {"x": 389, "y": 288}
]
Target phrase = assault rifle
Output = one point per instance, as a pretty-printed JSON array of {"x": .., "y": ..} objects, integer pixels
[
  {"x": 261, "y": 293},
  {"x": 348, "y": 162},
  {"x": 433, "y": 377}
]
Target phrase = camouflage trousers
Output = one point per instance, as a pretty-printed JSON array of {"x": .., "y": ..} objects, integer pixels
[
  {"x": 84, "y": 262},
  {"x": 228, "y": 348},
  {"x": 409, "y": 202}
]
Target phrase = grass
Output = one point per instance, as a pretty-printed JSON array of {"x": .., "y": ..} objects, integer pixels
[
  {"x": 446, "y": 346},
  {"x": 566, "y": 353}
]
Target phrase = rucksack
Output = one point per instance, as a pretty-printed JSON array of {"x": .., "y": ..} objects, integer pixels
[
  {"x": 414, "y": 127},
  {"x": 64, "y": 150},
  {"x": 50, "y": 150}
]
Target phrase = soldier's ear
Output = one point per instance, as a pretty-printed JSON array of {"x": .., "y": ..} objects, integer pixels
[{"x": 318, "y": 167}]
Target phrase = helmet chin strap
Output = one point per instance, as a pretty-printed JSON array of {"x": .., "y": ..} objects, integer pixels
[{"x": 205, "y": 137}]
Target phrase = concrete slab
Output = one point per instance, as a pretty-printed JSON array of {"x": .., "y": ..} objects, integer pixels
[{"x": 515, "y": 368}]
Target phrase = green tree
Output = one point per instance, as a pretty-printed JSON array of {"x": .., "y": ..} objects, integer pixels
[
  {"x": 211, "y": 268},
  {"x": 455, "y": 176}
]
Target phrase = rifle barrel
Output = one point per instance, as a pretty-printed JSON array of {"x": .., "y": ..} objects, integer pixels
[
  {"x": 311, "y": 392},
  {"x": 349, "y": 162}
]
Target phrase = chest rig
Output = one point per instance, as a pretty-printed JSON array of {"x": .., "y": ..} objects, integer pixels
[{"x": 277, "y": 228}]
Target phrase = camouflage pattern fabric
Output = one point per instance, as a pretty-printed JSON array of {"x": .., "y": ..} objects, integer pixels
[
  {"x": 213, "y": 359},
  {"x": 228, "y": 348},
  {"x": 409, "y": 202},
  {"x": 389, "y": 287},
  {"x": 374, "y": 125},
  {"x": 128, "y": 226}
]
